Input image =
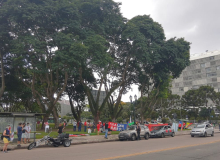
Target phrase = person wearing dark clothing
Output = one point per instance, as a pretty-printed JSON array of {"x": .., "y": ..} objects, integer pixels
[
  {"x": 138, "y": 129},
  {"x": 106, "y": 130},
  {"x": 19, "y": 133},
  {"x": 79, "y": 127},
  {"x": 60, "y": 129}
]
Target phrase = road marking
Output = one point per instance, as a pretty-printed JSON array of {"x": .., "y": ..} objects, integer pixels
[{"x": 141, "y": 153}]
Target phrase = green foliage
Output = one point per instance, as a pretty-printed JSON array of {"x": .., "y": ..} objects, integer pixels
[{"x": 204, "y": 113}]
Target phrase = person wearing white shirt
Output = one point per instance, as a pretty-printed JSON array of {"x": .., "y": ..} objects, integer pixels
[
  {"x": 74, "y": 126},
  {"x": 28, "y": 132}
]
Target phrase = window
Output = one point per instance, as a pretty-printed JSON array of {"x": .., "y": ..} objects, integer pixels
[
  {"x": 211, "y": 58},
  {"x": 214, "y": 79},
  {"x": 190, "y": 77},
  {"x": 219, "y": 90},
  {"x": 181, "y": 89},
  {"x": 202, "y": 65},
  {"x": 218, "y": 68},
  {"x": 208, "y": 69},
  {"x": 211, "y": 74},
  {"x": 187, "y": 83},
  {"x": 212, "y": 63},
  {"x": 195, "y": 87}
]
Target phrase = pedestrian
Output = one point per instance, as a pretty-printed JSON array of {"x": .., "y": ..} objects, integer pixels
[
  {"x": 89, "y": 128},
  {"x": 46, "y": 125},
  {"x": 60, "y": 129},
  {"x": 94, "y": 127},
  {"x": 74, "y": 126},
  {"x": 106, "y": 130},
  {"x": 19, "y": 133},
  {"x": 85, "y": 126},
  {"x": 219, "y": 126},
  {"x": 24, "y": 135},
  {"x": 138, "y": 129},
  {"x": 98, "y": 128},
  {"x": 28, "y": 133},
  {"x": 79, "y": 126},
  {"x": 38, "y": 124},
  {"x": 6, "y": 139}
]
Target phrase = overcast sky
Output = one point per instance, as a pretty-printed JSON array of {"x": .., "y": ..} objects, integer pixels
[{"x": 196, "y": 20}]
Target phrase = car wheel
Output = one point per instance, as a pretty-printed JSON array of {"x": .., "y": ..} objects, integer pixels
[
  {"x": 121, "y": 139},
  {"x": 212, "y": 134},
  {"x": 192, "y": 135},
  {"x": 133, "y": 137},
  {"x": 173, "y": 134},
  {"x": 205, "y": 135},
  {"x": 146, "y": 136},
  {"x": 162, "y": 135},
  {"x": 67, "y": 143}
]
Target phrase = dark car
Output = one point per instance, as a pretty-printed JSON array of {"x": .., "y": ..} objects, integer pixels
[{"x": 162, "y": 131}]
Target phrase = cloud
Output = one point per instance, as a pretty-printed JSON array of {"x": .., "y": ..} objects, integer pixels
[{"x": 196, "y": 20}]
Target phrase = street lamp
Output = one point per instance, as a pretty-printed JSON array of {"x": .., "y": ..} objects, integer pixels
[{"x": 135, "y": 98}]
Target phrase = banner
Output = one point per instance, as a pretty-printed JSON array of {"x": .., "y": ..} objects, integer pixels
[
  {"x": 122, "y": 127},
  {"x": 112, "y": 126}
]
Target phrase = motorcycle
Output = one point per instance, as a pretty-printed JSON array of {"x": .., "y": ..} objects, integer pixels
[{"x": 62, "y": 139}]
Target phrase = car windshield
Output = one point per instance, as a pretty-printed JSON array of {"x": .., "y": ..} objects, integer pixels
[
  {"x": 131, "y": 128},
  {"x": 200, "y": 126},
  {"x": 156, "y": 128}
]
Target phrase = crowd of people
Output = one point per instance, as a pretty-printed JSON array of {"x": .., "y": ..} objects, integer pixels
[{"x": 23, "y": 134}]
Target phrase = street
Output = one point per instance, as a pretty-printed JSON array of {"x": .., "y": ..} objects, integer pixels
[{"x": 178, "y": 147}]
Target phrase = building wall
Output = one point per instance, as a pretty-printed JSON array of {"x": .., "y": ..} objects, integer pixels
[{"x": 203, "y": 70}]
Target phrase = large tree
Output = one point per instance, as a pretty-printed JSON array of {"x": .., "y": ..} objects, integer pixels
[
  {"x": 156, "y": 57},
  {"x": 43, "y": 33}
]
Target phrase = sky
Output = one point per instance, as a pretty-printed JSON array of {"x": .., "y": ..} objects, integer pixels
[{"x": 196, "y": 20}]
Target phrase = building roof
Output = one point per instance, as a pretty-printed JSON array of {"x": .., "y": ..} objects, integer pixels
[
  {"x": 204, "y": 55},
  {"x": 14, "y": 114}
]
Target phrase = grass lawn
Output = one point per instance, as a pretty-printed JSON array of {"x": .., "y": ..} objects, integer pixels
[{"x": 68, "y": 129}]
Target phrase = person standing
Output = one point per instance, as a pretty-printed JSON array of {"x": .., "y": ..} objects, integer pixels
[
  {"x": 98, "y": 128},
  {"x": 89, "y": 128},
  {"x": 24, "y": 135},
  {"x": 94, "y": 127},
  {"x": 85, "y": 126},
  {"x": 79, "y": 126},
  {"x": 38, "y": 124},
  {"x": 106, "y": 130},
  {"x": 28, "y": 132},
  {"x": 60, "y": 129},
  {"x": 74, "y": 126},
  {"x": 6, "y": 139},
  {"x": 219, "y": 126},
  {"x": 138, "y": 129},
  {"x": 46, "y": 125},
  {"x": 19, "y": 133}
]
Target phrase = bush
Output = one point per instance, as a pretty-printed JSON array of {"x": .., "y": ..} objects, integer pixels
[
  {"x": 119, "y": 120},
  {"x": 164, "y": 120}
]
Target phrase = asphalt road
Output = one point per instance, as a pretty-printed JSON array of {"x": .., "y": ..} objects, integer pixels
[{"x": 169, "y": 148}]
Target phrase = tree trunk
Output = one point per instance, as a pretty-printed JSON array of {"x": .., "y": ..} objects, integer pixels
[
  {"x": 113, "y": 119},
  {"x": 56, "y": 118},
  {"x": 45, "y": 119},
  {"x": 96, "y": 118},
  {"x": 142, "y": 118},
  {"x": 3, "y": 76}
]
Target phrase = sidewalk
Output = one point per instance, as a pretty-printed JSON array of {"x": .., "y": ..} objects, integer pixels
[{"x": 88, "y": 139}]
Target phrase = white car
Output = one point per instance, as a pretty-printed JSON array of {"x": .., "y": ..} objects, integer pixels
[{"x": 202, "y": 130}]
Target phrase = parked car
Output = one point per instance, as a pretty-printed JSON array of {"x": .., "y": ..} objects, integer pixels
[
  {"x": 131, "y": 133},
  {"x": 162, "y": 131},
  {"x": 203, "y": 129}
]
